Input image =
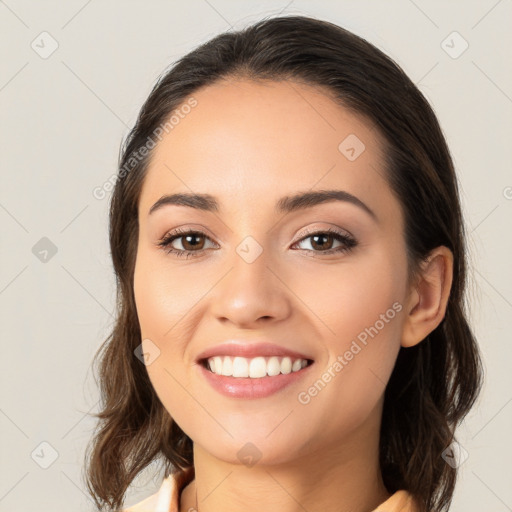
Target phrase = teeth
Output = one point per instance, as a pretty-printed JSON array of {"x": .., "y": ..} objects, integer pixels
[
  {"x": 297, "y": 365},
  {"x": 273, "y": 366},
  {"x": 257, "y": 368},
  {"x": 254, "y": 368},
  {"x": 240, "y": 367},
  {"x": 227, "y": 367}
]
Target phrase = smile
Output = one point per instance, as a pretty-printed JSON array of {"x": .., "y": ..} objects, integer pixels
[
  {"x": 254, "y": 368},
  {"x": 250, "y": 378}
]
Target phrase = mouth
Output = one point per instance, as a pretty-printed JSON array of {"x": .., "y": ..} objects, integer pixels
[
  {"x": 256, "y": 377},
  {"x": 254, "y": 368}
]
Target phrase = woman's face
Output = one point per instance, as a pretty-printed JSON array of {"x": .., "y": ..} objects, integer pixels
[{"x": 257, "y": 273}]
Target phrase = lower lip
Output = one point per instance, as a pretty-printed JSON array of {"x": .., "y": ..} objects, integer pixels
[{"x": 245, "y": 387}]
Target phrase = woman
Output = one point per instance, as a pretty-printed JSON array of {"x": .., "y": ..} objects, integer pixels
[{"x": 289, "y": 247}]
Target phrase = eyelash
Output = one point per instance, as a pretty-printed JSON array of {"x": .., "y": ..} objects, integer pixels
[{"x": 165, "y": 242}]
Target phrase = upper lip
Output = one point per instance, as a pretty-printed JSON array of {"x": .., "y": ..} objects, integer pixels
[{"x": 249, "y": 350}]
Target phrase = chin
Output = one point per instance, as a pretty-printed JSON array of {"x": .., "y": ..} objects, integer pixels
[{"x": 248, "y": 447}]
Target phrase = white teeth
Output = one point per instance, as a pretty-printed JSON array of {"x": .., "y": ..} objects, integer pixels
[
  {"x": 286, "y": 365},
  {"x": 240, "y": 367},
  {"x": 297, "y": 365},
  {"x": 256, "y": 367},
  {"x": 273, "y": 366},
  {"x": 217, "y": 361},
  {"x": 227, "y": 367}
]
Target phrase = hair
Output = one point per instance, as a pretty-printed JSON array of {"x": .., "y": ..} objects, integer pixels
[{"x": 433, "y": 385}]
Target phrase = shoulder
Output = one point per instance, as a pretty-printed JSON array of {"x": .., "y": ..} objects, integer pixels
[
  {"x": 158, "y": 502},
  {"x": 400, "y": 501},
  {"x": 167, "y": 497},
  {"x": 147, "y": 505}
]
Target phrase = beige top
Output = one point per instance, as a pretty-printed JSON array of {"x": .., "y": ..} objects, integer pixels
[{"x": 167, "y": 498}]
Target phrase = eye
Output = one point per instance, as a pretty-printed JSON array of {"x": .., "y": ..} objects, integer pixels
[
  {"x": 324, "y": 241},
  {"x": 191, "y": 242}
]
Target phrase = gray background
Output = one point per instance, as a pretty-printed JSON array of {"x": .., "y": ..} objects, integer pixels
[{"x": 63, "y": 118}]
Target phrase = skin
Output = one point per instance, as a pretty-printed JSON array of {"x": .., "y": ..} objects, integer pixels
[{"x": 248, "y": 144}]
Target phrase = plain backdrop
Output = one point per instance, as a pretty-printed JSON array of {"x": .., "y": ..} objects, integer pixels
[{"x": 73, "y": 76}]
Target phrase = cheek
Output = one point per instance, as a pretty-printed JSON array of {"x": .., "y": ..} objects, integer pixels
[
  {"x": 350, "y": 297},
  {"x": 165, "y": 302},
  {"x": 360, "y": 306},
  {"x": 164, "y": 296},
  {"x": 162, "y": 309}
]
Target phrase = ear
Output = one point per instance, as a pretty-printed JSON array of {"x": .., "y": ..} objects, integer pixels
[{"x": 428, "y": 297}]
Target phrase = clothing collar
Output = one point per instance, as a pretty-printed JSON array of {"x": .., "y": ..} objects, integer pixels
[{"x": 168, "y": 497}]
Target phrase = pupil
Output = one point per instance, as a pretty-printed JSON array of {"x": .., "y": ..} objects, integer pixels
[
  {"x": 317, "y": 237},
  {"x": 188, "y": 239}
]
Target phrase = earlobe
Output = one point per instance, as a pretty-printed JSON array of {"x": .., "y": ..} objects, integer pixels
[{"x": 428, "y": 297}]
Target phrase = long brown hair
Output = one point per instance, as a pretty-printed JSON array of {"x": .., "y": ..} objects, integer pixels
[{"x": 433, "y": 385}]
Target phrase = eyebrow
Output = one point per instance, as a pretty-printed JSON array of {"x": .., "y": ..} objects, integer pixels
[{"x": 286, "y": 204}]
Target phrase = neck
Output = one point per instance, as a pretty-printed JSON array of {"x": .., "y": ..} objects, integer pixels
[{"x": 336, "y": 478}]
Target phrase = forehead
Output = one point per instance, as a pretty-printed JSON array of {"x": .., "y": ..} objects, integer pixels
[{"x": 249, "y": 140}]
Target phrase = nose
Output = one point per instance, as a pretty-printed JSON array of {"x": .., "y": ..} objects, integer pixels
[{"x": 250, "y": 294}]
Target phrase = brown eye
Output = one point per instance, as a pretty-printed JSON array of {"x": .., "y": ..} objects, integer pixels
[
  {"x": 184, "y": 243},
  {"x": 190, "y": 242},
  {"x": 323, "y": 242}
]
